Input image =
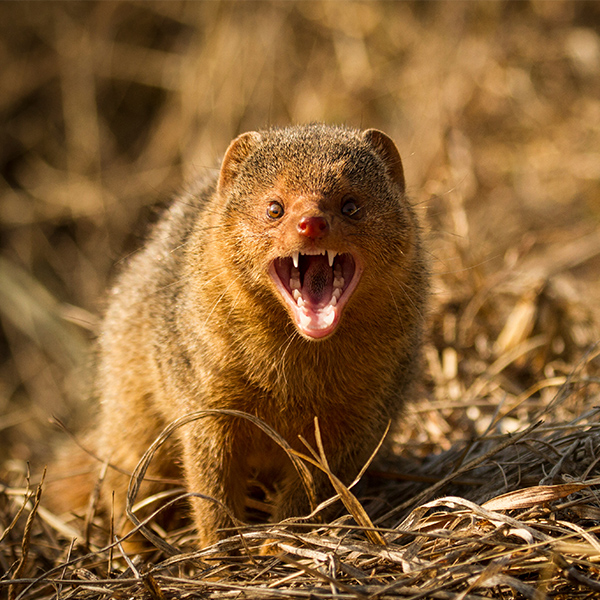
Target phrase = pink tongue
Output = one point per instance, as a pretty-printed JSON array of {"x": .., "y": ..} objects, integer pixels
[{"x": 317, "y": 285}]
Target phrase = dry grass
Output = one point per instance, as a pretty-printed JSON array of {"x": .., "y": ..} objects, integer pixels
[{"x": 108, "y": 107}]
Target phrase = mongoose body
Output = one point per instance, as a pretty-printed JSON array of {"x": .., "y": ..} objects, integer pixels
[{"x": 291, "y": 286}]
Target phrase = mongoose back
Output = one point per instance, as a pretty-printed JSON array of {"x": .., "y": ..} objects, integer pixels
[{"x": 291, "y": 286}]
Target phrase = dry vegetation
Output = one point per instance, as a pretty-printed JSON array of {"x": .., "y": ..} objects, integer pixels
[{"x": 108, "y": 107}]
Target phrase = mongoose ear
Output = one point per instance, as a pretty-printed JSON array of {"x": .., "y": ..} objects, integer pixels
[
  {"x": 236, "y": 154},
  {"x": 386, "y": 149}
]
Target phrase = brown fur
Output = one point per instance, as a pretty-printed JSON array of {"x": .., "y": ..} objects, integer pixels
[{"x": 195, "y": 322}]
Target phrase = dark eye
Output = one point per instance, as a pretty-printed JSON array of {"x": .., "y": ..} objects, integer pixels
[
  {"x": 350, "y": 208},
  {"x": 274, "y": 210}
]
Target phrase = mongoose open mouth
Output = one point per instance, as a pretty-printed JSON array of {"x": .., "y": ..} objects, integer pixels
[{"x": 316, "y": 287}]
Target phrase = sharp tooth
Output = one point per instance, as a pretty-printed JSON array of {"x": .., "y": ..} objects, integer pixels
[
  {"x": 333, "y": 300},
  {"x": 295, "y": 256},
  {"x": 297, "y": 294},
  {"x": 300, "y": 301},
  {"x": 331, "y": 256},
  {"x": 328, "y": 319},
  {"x": 305, "y": 320},
  {"x": 337, "y": 292}
]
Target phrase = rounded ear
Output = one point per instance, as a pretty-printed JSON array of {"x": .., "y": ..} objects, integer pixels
[
  {"x": 387, "y": 151},
  {"x": 236, "y": 154}
]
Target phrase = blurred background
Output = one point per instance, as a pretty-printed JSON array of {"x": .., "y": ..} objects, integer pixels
[{"x": 108, "y": 108}]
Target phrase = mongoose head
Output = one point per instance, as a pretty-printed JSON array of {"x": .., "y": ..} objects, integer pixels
[{"x": 323, "y": 213}]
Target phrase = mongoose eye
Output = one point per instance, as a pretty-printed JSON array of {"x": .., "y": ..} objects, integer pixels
[
  {"x": 274, "y": 210},
  {"x": 350, "y": 209}
]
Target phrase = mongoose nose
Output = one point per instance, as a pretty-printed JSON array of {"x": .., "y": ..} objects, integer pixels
[{"x": 313, "y": 227}]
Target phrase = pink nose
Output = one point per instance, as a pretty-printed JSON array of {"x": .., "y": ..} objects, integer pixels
[{"x": 313, "y": 227}]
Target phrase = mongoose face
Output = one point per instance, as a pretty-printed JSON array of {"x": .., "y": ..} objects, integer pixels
[
  {"x": 315, "y": 232},
  {"x": 317, "y": 278}
]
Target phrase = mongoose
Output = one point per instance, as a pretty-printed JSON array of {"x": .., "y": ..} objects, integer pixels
[{"x": 290, "y": 286}]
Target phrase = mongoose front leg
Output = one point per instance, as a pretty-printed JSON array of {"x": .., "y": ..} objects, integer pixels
[{"x": 216, "y": 470}]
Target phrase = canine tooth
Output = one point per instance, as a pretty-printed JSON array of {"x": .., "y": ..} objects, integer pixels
[
  {"x": 297, "y": 294},
  {"x": 295, "y": 256},
  {"x": 328, "y": 318},
  {"x": 305, "y": 320},
  {"x": 331, "y": 256}
]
